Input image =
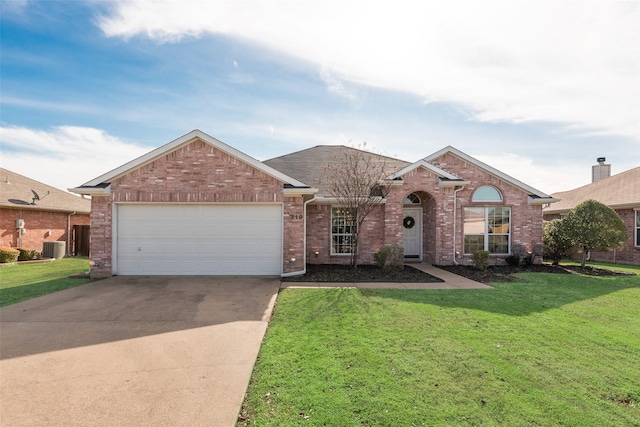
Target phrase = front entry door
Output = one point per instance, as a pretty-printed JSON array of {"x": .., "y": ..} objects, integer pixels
[{"x": 412, "y": 223}]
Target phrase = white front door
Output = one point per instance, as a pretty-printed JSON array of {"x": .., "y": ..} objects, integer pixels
[{"x": 412, "y": 223}]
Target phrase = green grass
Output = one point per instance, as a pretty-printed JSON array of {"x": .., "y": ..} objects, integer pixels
[
  {"x": 550, "y": 350},
  {"x": 21, "y": 282},
  {"x": 607, "y": 265}
]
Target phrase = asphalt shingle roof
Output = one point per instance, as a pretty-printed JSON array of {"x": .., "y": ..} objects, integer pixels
[
  {"x": 16, "y": 193},
  {"x": 308, "y": 165},
  {"x": 618, "y": 191}
]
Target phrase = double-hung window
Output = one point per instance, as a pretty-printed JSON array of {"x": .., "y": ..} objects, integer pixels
[
  {"x": 488, "y": 229},
  {"x": 342, "y": 229}
]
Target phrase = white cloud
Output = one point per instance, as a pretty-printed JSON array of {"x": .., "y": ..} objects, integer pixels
[
  {"x": 65, "y": 156},
  {"x": 574, "y": 63},
  {"x": 335, "y": 86}
]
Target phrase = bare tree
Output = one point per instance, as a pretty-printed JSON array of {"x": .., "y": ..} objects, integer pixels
[{"x": 353, "y": 178}]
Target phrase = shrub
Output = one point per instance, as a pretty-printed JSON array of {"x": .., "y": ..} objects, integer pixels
[
  {"x": 481, "y": 260},
  {"x": 528, "y": 259},
  {"x": 8, "y": 254},
  {"x": 28, "y": 254},
  {"x": 390, "y": 256}
]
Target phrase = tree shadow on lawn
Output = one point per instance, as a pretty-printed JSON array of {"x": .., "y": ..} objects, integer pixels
[{"x": 530, "y": 293}]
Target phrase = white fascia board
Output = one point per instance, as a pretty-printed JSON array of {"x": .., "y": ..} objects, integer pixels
[
  {"x": 322, "y": 200},
  {"x": 453, "y": 183},
  {"x": 183, "y": 140},
  {"x": 91, "y": 191},
  {"x": 541, "y": 200},
  {"x": 467, "y": 158},
  {"x": 292, "y": 192},
  {"x": 422, "y": 163}
]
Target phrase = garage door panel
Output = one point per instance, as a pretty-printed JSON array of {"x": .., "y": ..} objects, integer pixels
[{"x": 199, "y": 239}]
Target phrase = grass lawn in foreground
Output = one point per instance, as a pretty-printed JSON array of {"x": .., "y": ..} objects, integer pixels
[
  {"x": 548, "y": 350},
  {"x": 21, "y": 282}
]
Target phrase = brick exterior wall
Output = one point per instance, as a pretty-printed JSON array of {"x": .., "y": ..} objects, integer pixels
[
  {"x": 385, "y": 226},
  {"x": 629, "y": 253},
  {"x": 200, "y": 173},
  {"x": 194, "y": 173},
  {"x": 38, "y": 225}
]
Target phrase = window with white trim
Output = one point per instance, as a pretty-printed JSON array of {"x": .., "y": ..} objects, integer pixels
[
  {"x": 488, "y": 229},
  {"x": 342, "y": 228},
  {"x": 638, "y": 228},
  {"x": 486, "y": 193}
]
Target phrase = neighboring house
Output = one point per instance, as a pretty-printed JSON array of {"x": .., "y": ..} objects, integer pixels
[
  {"x": 199, "y": 206},
  {"x": 32, "y": 213},
  {"x": 621, "y": 193}
]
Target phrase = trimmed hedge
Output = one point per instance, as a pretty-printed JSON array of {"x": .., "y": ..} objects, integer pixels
[
  {"x": 8, "y": 255},
  {"x": 28, "y": 254}
]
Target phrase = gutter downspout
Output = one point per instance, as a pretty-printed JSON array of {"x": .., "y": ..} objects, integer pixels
[
  {"x": 455, "y": 211},
  {"x": 69, "y": 232},
  {"x": 304, "y": 243}
]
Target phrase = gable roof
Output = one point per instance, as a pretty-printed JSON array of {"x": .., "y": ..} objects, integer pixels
[
  {"x": 100, "y": 185},
  {"x": 16, "y": 191},
  {"x": 535, "y": 196},
  {"x": 446, "y": 178},
  {"x": 309, "y": 165},
  {"x": 618, "y": 192}
]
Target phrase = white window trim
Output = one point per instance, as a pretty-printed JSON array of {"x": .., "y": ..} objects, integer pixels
[
  {"x": 637, "y": 227},
  {"x": 486, "y": 233},
  {"x": 331, "y": 234},
  {"x": 483, "y": 200}
]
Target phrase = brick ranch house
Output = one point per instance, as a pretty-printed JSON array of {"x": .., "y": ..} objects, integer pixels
[
  {"x": 199, "y": 206},
  {"x": 28, "y": 219},
  {"x": 621, "y": 192}
]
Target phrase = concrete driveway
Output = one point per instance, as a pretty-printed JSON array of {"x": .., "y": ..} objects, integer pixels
[{"x": 133, "y": 351}]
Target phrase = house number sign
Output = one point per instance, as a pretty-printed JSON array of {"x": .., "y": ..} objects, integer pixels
[{"x": 295, "y": 216}]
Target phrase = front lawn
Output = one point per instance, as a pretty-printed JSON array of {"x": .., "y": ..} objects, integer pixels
[
  {"x": 21, "y": 282},
  {"x": 548, "y": 350}
]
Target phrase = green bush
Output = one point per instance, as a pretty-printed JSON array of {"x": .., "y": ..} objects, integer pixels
[
  {"x": 390, "y": 256},
  {"x": 28, "y": 254},
  {"x": 8, "y": 254},
  {"x": 481, "y": 260}
]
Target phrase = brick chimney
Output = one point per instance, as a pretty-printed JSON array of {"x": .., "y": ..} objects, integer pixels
[{"x": 601, "y": 170}]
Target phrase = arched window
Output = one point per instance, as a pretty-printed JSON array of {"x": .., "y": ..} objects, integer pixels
[
  {"x": 486, "y": 193},
  {"x": 412, "y": 199}
]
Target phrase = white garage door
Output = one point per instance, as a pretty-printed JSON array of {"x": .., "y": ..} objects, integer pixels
[{"x": 181, "y": 239}]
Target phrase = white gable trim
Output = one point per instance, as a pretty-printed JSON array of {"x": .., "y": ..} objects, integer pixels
[
  {"x": 184, "y": 140},
  {"x": 503, "y": 176},
  {"x": 422, "y": 163}
]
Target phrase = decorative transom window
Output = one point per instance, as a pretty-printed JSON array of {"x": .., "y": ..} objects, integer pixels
[
  {"x": 486, "y": 193},
  {"x": 637, "y": 228},
  {"x": 488, "y": 229},
  {"x": 342, "y": 228},
  {"x": 412, "y": 199}
]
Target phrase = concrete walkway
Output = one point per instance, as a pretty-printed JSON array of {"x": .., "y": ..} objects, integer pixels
[{"x": 450, "y": 281}]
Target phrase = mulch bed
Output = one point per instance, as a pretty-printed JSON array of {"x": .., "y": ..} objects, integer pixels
[
  {"x": 373, "y": 273},
  {"x": 364, "y": 273}
]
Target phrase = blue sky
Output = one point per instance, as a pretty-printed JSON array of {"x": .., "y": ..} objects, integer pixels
[{"x": 536, "y": 89}]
